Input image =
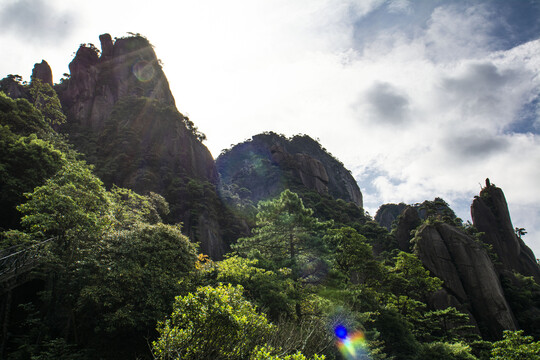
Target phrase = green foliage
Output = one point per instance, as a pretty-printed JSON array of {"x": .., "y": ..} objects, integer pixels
[
  {"x": 396, "y": 332},
  {"x": 46, "y": 100},
  {"x": 523, "y": 295},
  {"x": 25, "y": 162},
  {"x": 286, "y": 235},
  {"x": 21, "y": 117},
  {"x": 59, "y": 349},
  {"x": 446, "y": 351},
  {"x": 71, "y": 205},
  {"x": 311, "y": 333},
  {"x": 130, "y": 208},
  {"x": 445, "y": 325},
  {"x": 354, "y": 256},
  {"x": 328, "y": 208},
  {"x": 410, "y": 278},
  {"x": 378, "y": 237},
  {"x": 438, "y": 210},
  {"x": 272, "y": 291},
  {"x": 113, "y": 269},
  {"x": 212, "y": 323},
  {"x": 130, "y": 278},
  {"x": 516, "y": 346},
  {"x": 268, "y": 353}
]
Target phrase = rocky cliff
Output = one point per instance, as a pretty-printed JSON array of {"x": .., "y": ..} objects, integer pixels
[
  {"x": 471, "y": 282},
  {"x": 268, "y": 163},
  {"x": 42, "y": 71},
  {"x": 490, "y": 215},
  {"x": 477, "y": 264},
  {"x": 122, "y": 116},
  {"x": 388, "y": 213},
  {"x": 125, "y": 67}
]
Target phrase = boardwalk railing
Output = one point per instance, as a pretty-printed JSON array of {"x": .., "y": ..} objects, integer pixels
[{"x": 16, "y": 260}]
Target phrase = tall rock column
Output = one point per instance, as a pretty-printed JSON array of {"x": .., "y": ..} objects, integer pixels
[
  {"x": 490, "y": 215},
  {"x": 42, "y": 71}
]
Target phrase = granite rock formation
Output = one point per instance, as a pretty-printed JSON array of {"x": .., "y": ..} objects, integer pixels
[
  {"x": 388, "y": 213},
  {"x": 471, "y": 282},
  {"x": 490, "y": 215},
  {"x": 408, "y": 221},
  {"x": 268, "y": 163},
  {"x": 42, "y": 71},
  {"x": 121, "y": 114}
]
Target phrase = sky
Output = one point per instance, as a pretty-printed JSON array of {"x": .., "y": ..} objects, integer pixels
[{"x": 419, "y": 99}]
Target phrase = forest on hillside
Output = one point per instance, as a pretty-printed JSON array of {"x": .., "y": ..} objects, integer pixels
[{"x": 109, "y": 273}]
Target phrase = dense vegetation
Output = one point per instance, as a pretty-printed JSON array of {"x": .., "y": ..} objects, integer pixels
[{"x": 119, "y": 279}]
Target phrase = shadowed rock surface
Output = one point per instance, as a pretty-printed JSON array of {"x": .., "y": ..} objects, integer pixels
[
  {"x": 121, "y": 114},
  {"x": 490, "y": 215},
  {"x": 408, "y": 221},
  {"x": 469, "y": 276},
  {"x": 42, "y": 71},
  {"x": 388, "y": 213},
  {"x": 268, "y": 163}
]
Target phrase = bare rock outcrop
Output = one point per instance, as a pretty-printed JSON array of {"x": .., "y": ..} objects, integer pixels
[
  {"x": 42, "y": 71},
  {"x": 310, "y": 171},
  {"x": 469, "y": 276},
  {"x": 408, "y": 221},
  {"x": 387, "y": 214},
  {"x": 490, "y": 215},
  {"x": 126, "y": 67},
  {"x": 268, "y": 163}
]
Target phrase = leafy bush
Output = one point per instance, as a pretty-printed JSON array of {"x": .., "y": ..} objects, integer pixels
[{"x": 212, "y": 323}]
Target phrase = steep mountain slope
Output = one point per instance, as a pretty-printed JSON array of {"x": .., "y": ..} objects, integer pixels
[{"x": 122, "y": 116}]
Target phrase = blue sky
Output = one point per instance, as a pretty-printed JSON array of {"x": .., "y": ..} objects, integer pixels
[{"x": 418, "y": 98}]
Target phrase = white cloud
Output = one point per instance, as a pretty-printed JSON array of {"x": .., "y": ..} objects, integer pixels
[
  {"x": 36, "y": 21},
  {"x": 415, "y": 112}
]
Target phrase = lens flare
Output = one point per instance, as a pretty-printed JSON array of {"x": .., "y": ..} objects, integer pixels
[
  {"x": 143, "y": 71},
  {"x": 352, "y": 346},
  {"x": 341, "y": 332}
]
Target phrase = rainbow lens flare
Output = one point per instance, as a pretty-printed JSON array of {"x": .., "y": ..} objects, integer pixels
[
  {"x": 143, "y": 71},
  {"x": 352, "y": 346}
]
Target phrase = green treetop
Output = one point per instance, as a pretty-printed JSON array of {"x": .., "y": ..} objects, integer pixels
[{"x": 286, "y": 233}]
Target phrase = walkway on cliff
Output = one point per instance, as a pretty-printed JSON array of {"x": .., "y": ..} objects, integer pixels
[{"x": 17, "y": 261}]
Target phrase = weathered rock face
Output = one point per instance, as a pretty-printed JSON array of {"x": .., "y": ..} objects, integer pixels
[
  {"x": 469, "y": 277},
  {"x": 268, "y": 163},
  {"x": 111, "y": 86},
  {"x": 42, "y": 71},
  {"x": 127, "y": 67},
  {"x": 11, "y": 85},
  {"x": 122, "y": 116},
  {"x": 310, "y": 171},
  {"x": 408, "y": 221},
  {"x": 388, "y": 213},
  {"x": 437, "y": 208},
  {"x": 490, "y": 215}
]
